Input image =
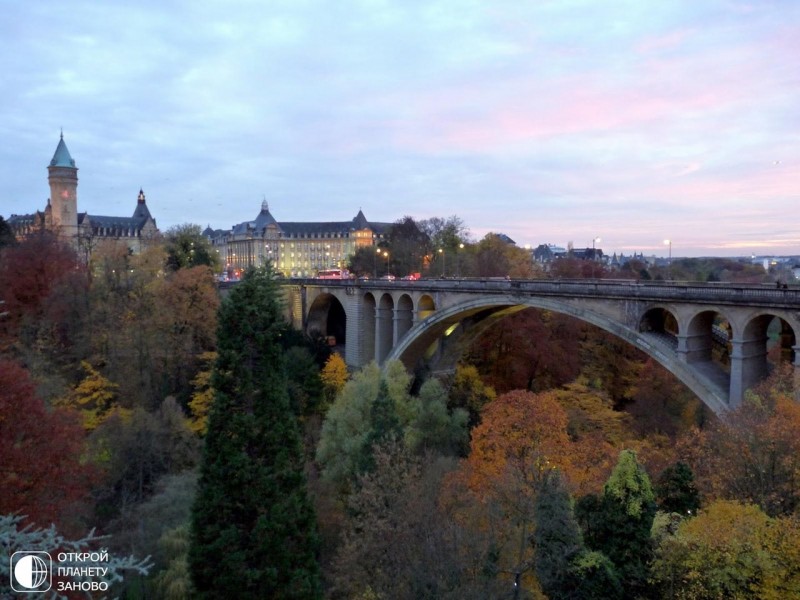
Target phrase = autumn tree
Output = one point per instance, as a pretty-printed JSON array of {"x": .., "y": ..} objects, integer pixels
[
  {"x": 751, "y": 454},
  {"x": 730, "y": 550},
  {"x": 94, "y": 397},
  {"x": 42, "y": 472},
  {"x": 334, "y": 376},
  {"x": 521, "y": 438},
  {"x": 407, "y": 245},
  {"x": 253, "y": 527},
  {"x": 495, "y": 257},
  {"x": 203, "y": 394}
]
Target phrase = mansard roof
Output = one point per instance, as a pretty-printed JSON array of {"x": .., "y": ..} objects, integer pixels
[{"x": 308, "y": 228}]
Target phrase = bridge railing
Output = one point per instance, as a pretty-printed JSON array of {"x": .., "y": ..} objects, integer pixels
[{"x": 711, "y": 292}]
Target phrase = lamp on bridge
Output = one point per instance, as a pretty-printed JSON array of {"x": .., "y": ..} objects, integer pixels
[
  {"x": 669, "y": 261},
  {"x": 594, "y": 254},
  {"x": 375, "y": 267},
  {"x": 458, "y": 260},
  {"x": 441, "y": 251},
  {"x": 386, "y": 256}
]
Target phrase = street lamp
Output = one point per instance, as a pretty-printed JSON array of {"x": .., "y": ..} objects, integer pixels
[
  {"x": 458, "y": 261},
  {"x": 594, "y": 255},
  {"x": 375, "y": 269},
  {"x": 386, "y": 255},
  {"x": 669, "y": 262},
  {"x": 441, "y": 251}
]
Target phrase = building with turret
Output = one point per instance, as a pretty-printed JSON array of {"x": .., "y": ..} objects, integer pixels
[
  {"x": 296, "y": 249},
  {"x": 85, "y": 231}
]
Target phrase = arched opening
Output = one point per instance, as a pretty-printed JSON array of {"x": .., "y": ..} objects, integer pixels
[
  {"x": 425, "y": 307},
  {"x": 383, "y": 327},
  {"x": 405, "y": 315},
  {"x": 661, "y": 324},
  {"x": 327, "y": 319}
]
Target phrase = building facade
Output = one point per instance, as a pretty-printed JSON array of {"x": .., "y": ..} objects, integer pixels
[
  {"x": 83, "y": 230},
  {"x": 296, "y": 249}
]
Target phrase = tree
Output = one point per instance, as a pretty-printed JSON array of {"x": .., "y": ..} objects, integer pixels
[
  {"x": 469, "y": 392},
  {"x": 495, "y": 257},
  {"x": 42, "y": 472},
  {"x": 618, "y": 524},
  {"x": 253, "y": 527},
  {"x": 557, "y": 541},
  {"x": 6, "y": 233},
  {"x": 676, "y": 491},
  {"x": 730, "y": 550},
  {"x": 334, "y": 376},
  {"x": 203, "y": 394},
  {"x": 187, "y": 247},
  {"x": 752, "y": 454},
  {"x": 521, "y": 438},
  {"x": 94, "y": 397},
  {"x": 434, "y": 429}
]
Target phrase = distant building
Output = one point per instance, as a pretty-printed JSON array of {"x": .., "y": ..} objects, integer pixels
[
  {"x": 61, "y": 214},
  {"x": 296, "y": 249}
]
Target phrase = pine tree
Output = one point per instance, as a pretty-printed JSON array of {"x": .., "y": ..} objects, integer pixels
[
  {"x": 676, "y": 490},
  {"x": 557, "y": 540},
  {"x": 253, "y": 527}
]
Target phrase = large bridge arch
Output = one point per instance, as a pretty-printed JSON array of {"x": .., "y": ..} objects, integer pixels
[
  {"x": 420, "y": 340},
  {"x": 327, "y": 318}
]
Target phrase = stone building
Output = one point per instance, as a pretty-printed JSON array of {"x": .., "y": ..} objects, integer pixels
[
  {"x": 85, "y": 231},
  {"x": 296, "y": 249}
]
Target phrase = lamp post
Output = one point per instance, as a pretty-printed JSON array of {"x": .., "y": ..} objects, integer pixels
[
  {"x": 441, "y": 251},
  {"x": 669, "y": 261},
  {"x": 386, "y": 256},
  {"x": 375, "y": 268},
  {"x": 594, "y": 255},
  {"x": 458, "y": 260}
]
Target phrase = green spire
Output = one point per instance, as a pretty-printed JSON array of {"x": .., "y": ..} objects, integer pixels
[{"x": 62, "y": 158}]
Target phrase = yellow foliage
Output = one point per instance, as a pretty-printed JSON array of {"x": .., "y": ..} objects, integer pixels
[
  {"x": 94, "y": 397},
  {"x": 203, "y": 395},
  {"x": 334, "y": 376}
]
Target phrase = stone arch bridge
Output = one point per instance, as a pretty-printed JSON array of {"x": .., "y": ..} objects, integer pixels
[{"x": 678, "y": 324}]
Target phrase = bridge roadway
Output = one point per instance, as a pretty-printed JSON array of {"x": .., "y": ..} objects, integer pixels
[{"x": 432, "y": 321}]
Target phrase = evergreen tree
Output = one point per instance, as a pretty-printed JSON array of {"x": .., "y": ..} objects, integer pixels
[
  {"x": 676, "y": 490},
  {"x": 253, "y": 527},
  {"x": 618, "y": 524},
  {"x": 557, "y": 540}
]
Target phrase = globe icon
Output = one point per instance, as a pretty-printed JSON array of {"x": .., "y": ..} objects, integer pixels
[{"x": 31, "y": 571}]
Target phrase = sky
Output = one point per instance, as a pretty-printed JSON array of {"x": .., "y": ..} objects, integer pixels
[{"x": 549, "y": 121}]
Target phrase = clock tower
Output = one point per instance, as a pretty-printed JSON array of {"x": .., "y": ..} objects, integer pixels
[{"x": 63, "y": 179}]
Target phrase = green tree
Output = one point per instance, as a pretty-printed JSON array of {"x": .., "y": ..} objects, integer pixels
[
  {"x": 6, "y": 234},
  {"x": 676, "y": 491},
  {"x": 433, "y": 428},
  {"x": 618, "y": 524},
  {"x": 557, "y": 541},
  {"x": 187, "y": 247},
  {"x": 253, "y": 527}
]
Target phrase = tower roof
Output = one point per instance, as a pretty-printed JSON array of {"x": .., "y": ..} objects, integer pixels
[
  {"x": 141, "y": 213},
  {"x": 62, "y": 158}
]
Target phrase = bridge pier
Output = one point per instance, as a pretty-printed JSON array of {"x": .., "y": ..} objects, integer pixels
[{"x": 748, "y": 366}]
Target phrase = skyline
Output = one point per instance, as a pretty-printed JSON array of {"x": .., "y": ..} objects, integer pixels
[{"x": 553, "y": 122}]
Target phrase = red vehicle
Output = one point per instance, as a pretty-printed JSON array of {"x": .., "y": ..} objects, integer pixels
[
  {"x": 412, "y": 277},
  {"x": 333, "y": 274}
]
